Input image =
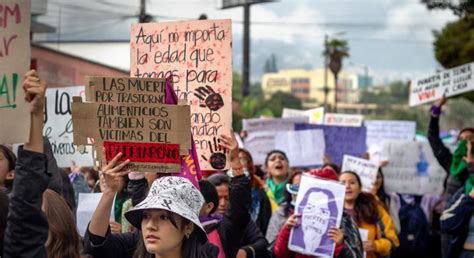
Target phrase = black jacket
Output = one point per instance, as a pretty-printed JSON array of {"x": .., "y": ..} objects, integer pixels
[
  {"x": 265, "y": 212},
  {"x": 444, "y": 157},
  {"x": 232, "y": 226},
  {"x": 254, "y": 242},
  {"x": 455, "y": 221},
  {"x": 27, "y": 225}
]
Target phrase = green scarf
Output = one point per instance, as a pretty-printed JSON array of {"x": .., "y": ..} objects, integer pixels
[
  {"x": 277, "y": 190},
  {"x": 459, "y": 165}
]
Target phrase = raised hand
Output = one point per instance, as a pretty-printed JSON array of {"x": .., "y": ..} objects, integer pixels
[
  {"x": 292, "y": 221},
  {"x": 440, "y": 102},
  {"x": 111, "y": 179},
  {"x": 34, "y": 90}
]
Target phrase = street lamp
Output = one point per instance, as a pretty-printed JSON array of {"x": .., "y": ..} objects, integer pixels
[{"x": 326, "y": 64}]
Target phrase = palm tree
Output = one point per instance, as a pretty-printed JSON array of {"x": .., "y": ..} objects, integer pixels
[{"x": 336, "y": 50}]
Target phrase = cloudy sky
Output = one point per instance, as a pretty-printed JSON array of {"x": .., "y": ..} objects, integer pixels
[{"x": 392, "y": 37}]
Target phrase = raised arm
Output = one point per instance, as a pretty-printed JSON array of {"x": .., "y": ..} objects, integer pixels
[
  {"x": 27, "y": 225},
  {"x": 442, "y": 154}
]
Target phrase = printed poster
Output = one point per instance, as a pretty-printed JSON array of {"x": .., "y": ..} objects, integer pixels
[
  {"x": 15, "y": 53},
  {"x": 197, "y": 55},
  {"x": 320, "y": 203}
]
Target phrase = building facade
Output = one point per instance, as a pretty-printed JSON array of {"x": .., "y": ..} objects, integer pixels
[{"x": 308, "y": 85}]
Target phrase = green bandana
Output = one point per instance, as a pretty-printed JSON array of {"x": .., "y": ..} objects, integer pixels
[
  {"x": 459, "y": 165},
  {"x": 277, "y": 190}
]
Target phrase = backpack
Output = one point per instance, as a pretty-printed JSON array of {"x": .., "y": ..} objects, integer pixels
[{"x": 414, "y": 235}]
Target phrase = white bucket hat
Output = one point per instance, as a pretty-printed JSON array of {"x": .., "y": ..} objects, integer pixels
[{"x": 171, "y": 193}]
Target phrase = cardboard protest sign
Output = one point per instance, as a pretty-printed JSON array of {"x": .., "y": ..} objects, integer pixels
[
  {"x": 340, "y": 140},
  {"x": 316, "y": 115},
  {"x": 380, "y": 131},
  {"x": 343, "y": 119},
  {"x": 125, "y": 115},
  {"x": 412, "y": 169},
  {"x": 272, "y": 124},
  {"x": 58, "y": 127},
  {"x": 303, "y": 148},
  {"x": 366, "y": 170},
  {"x": 198, "y": 57},
  {"x": 320, "y": 203},
  {"x": 449, "y": 83},
  {"x": 15, "y": 52}
]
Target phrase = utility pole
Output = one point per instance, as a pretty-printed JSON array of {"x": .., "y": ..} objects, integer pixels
[
  {"x": 246, "y": 49},
  {"x": 143, "y": 17}
]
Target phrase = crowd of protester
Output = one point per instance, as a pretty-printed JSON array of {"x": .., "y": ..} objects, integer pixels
[{"x": 247, "y": 211}]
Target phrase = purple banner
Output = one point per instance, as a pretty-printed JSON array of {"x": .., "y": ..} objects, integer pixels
[
  {"x": 340, "y": 140},
  {"x": 190, "y": 163}
]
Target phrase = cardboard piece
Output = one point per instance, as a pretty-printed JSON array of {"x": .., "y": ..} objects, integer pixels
[
  {"x": 320, "y": 203},
  {"x": 450, "y": 82},
  {"x": 366, "y": 170},
  {"x": 340, "y": 140},
  {"x": 343, "y": 119},
  {"x": 198, "y": 57},
  {"x": 15, "y": 53},
  {"x": 412, "y": 169},
  {"x": 126, "y": 116}
]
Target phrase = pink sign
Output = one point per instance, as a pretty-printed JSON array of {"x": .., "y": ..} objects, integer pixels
[{"x": 198, "y": 57}]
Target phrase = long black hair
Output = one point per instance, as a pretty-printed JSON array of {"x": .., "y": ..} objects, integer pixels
[
  {"x": 381, "y": 194},
  {"x": 287, "y": 198},
  {"x": 365, "y": 206},
  {"x": 191, "y": 246}
]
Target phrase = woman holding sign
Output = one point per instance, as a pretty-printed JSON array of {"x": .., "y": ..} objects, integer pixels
[
  {"x": 369, "y": 215},
  {"x": 346, "y": 238}
]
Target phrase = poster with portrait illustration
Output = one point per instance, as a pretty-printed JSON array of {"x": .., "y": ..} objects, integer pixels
[
  {"x": 320, "y": 204},
  {"x": 197, "y": 55}
]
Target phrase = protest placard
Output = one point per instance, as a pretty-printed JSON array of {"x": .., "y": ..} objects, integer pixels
[
  {"x": 259, "y": 143},
  {"x": 343, "y": 119},
  {"x": 197, "y": 55},
  {"x": 320, "y": 204},
  {"x": 272, "y": 124},
  {"x": 303, "y": 148},
  {"x": 86, "y": 206},
  {"x": 380, "y": 131},
  {"x": 412, "y": 168},
  {"x": 315, "y": 115},
  {"x": 58, "y": 127},
  {"x": 366, "y": 170},
  {"x": 15, "y": 52},
  {"x": 449, "y": 83},
  {"x": 340, "y": 140},
  {"x": 125, "y": 116}
]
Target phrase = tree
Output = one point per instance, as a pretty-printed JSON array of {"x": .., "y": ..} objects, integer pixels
[
  {"x": 280, "y": 100},
  {"x": 336, "y": 50},
  {"x": 454, "y": 44},
  {"x": 460, "y": 8}
]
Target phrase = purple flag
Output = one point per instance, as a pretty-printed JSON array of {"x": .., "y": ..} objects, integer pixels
[{"x": 190, "y": 163}]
